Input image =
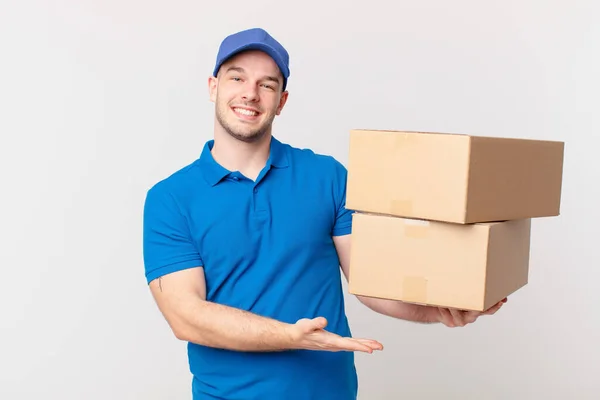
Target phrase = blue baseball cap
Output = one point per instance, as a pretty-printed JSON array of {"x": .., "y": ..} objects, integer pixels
[{"x": 254, "y": 39}]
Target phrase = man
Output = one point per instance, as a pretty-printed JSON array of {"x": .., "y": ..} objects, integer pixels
[{"x": 245, "y": 247}]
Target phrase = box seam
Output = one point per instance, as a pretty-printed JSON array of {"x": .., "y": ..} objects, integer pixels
[
  {"x": 467, "y": 179},
  {"x": 489, "y": 239}
]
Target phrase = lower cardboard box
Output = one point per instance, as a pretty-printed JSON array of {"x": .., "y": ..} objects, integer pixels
[{"x": 468, "y": 267}]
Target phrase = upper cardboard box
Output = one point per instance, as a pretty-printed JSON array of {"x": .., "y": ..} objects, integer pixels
[{"x": 453, "y": 177}]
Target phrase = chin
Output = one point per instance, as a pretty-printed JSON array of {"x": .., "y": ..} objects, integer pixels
[
  {"x": 244, "y": 131},
  {"x": 248, "y": 137}
]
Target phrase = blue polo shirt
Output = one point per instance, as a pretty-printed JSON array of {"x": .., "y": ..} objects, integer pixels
[{"x": 266, "y": 246}]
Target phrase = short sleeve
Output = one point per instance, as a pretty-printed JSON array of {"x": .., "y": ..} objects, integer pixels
[
  {"x": 343, "y": 218},
  {"x": 167, "y": 244}
]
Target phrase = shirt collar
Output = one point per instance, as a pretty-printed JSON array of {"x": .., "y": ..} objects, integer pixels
[{"x": 213, "y": 172}]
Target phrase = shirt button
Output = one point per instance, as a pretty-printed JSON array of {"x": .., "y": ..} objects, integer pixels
[
  {"x": 255, "y": 190},
  {"x": 235, "y": 178}
]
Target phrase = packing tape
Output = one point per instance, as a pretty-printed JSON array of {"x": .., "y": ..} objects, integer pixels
[
  {"x": 414, "y": 228},
  {"x": 414, "y": 289}
]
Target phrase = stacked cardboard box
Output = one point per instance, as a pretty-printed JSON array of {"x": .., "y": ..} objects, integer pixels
[{"x": 445, "y": 219}]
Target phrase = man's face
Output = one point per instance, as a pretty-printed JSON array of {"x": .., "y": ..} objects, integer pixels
[{"x": 247, "y": 95}]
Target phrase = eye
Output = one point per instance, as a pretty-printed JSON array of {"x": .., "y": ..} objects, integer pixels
[
  {"x": 236, "y": 78},
  {"x": 269, "y": 87}
]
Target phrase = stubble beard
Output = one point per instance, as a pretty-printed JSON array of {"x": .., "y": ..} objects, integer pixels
[{"x": 242, "y": 134}]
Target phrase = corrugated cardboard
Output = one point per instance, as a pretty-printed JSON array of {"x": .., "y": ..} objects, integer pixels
[
  {"x": 469, "y": 267},
  {"x": 452, "y": 177}
]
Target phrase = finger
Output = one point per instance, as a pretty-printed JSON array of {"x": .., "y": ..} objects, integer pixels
[
  {"x": 492, "y": 310},
  {"x": 446, "y": 317},
  {"x": 471, "y": 316},
  {"x": 349, "y": 344},
  {"x": 373, "y": 344},
  {"x": 458, "y": 317},
  {"x": 360, "y": 344},
  {"x": 324, "y": 340}
]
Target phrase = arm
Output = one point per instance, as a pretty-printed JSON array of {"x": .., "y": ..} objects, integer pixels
[
  {"x": 175, "y": 274},
  {"x": 341, "y": 233},
  {"x": 181, "y": 298},
  {"x": 411, "y": 312}
]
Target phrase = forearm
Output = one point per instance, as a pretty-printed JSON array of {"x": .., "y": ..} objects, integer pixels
[
  {"x": 215, "y": 325},
  {"x": 401, "y": 310}
]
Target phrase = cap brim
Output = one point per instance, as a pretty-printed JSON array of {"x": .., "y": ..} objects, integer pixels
[{"x": 256, "y": 46}]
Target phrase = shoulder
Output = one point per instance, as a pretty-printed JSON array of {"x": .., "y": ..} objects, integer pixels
[
  {"x": 322, "y": 173},
  {"x": 173, "y": 188},
  {"x": 313, "y": 161}
]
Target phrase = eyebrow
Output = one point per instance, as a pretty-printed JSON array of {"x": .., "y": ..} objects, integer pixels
[
  {"x": 234, "y": 68},
  {"x": 241, "y": 70}
]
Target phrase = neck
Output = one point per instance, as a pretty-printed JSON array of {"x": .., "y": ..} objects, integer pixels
[{"x": 235, "y": 155}]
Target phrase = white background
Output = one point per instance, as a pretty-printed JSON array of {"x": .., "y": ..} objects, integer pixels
[{"x": 100, "y": 99}]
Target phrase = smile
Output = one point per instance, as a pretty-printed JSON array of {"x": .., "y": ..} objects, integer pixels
[{"x": 243, "y": 111}]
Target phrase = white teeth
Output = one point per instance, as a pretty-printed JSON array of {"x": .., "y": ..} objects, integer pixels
[{"x": 245, "y": 112}]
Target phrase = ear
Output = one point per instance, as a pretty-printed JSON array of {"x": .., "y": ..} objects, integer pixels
[
  {"x": 212, "y": 88},
  {"x": 282, "y": 101}
]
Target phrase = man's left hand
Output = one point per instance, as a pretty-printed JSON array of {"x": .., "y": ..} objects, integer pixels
[{"x": 457, "y": 318}]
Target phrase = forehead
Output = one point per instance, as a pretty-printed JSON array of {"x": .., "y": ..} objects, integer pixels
[{"x": 253, "y": 61}]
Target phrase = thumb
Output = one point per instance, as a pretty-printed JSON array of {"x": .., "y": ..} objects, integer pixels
[
  {"x": 309, "y": 325},
  {"x": 319, "y": 323}
]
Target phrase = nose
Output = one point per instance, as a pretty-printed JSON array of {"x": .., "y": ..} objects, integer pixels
[{"x": 250, "y": 92}]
